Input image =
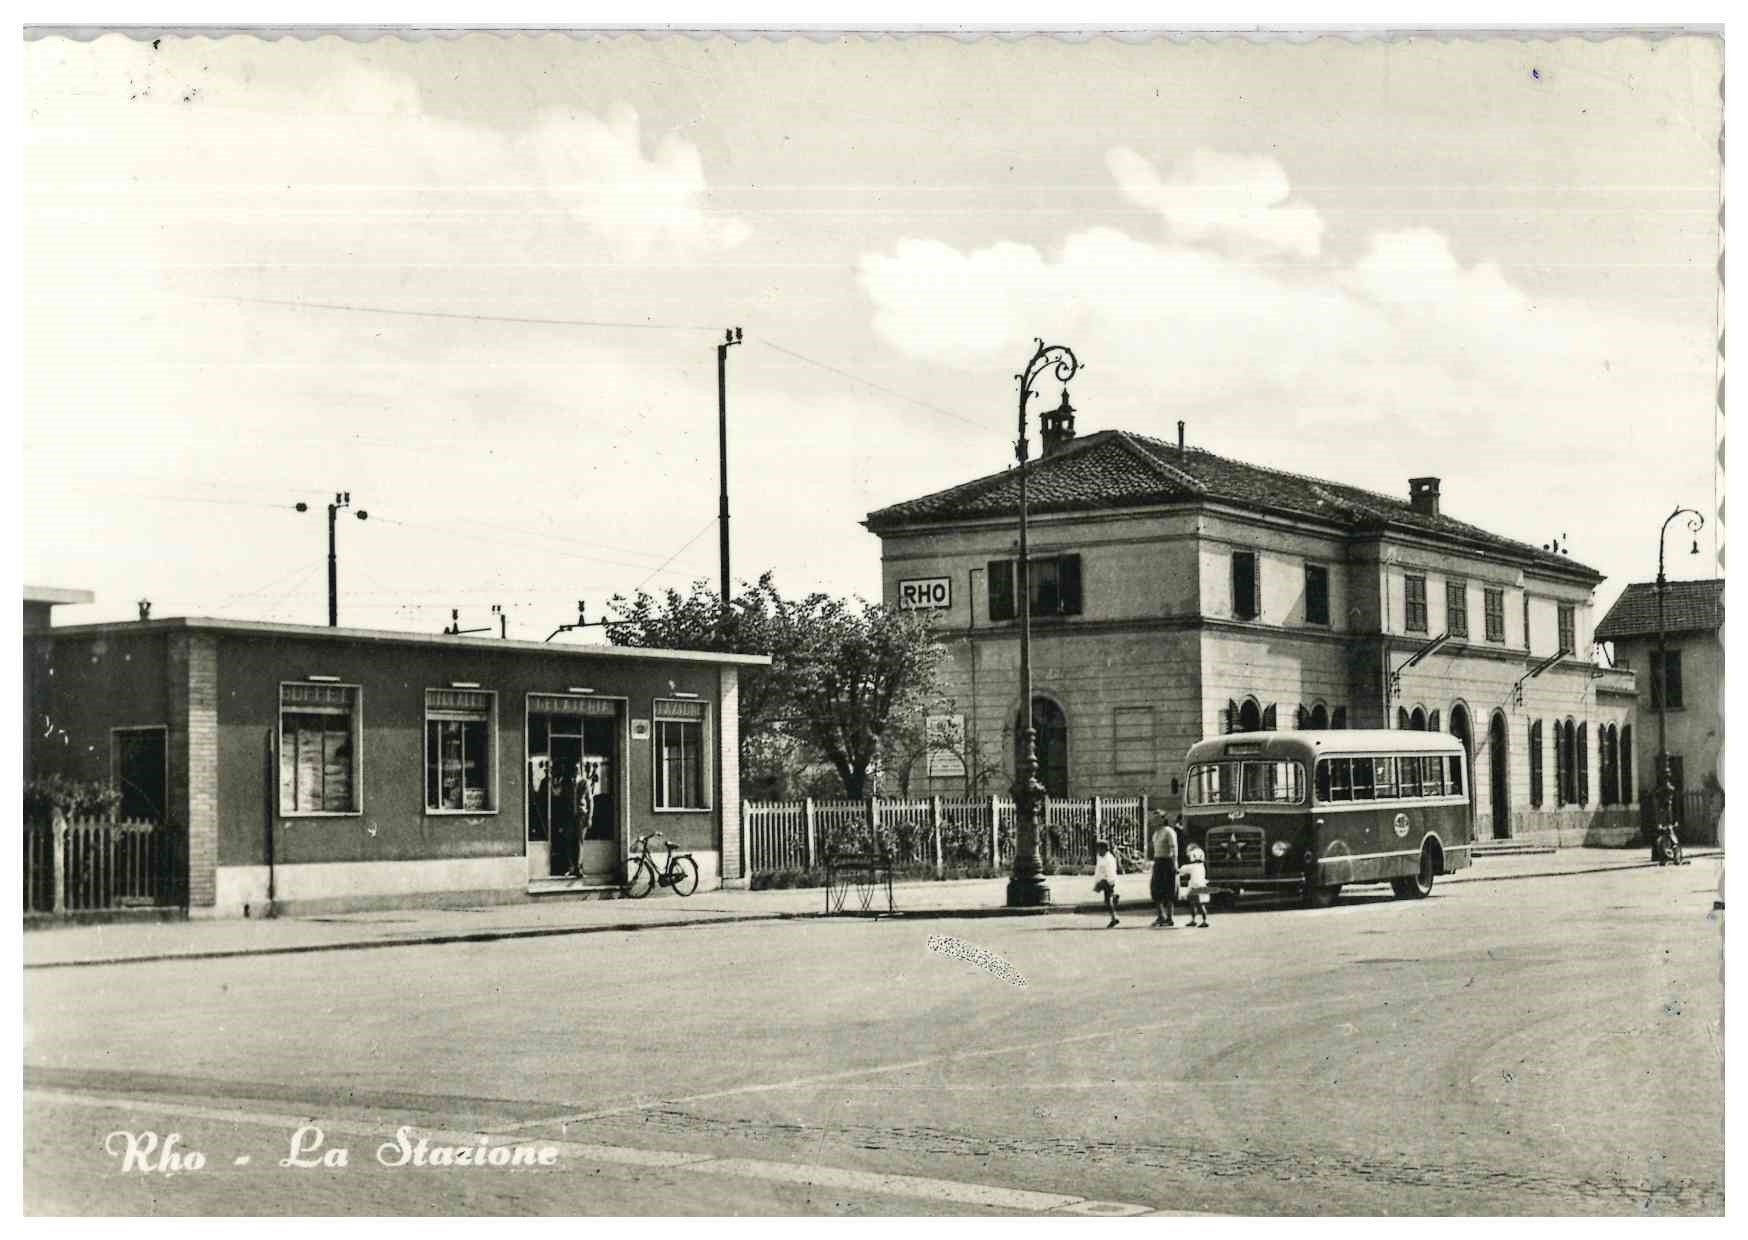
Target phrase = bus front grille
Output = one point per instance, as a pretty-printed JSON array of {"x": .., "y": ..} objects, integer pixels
[{"x": 1235, "y": 852}]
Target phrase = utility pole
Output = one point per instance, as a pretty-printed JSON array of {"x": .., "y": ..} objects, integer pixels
[
  {"x": 731, "y": 338},
  {"x": 342, "y": 499}
]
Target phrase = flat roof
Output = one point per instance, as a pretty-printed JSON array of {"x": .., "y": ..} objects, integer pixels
[
  {"x": 260, "y": 628},
  {"x": 54, "y": 594}
]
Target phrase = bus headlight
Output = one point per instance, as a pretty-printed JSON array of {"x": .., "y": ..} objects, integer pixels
[
  {"x": 1310, "y": 857},
  {"x": 1278, "y": 849}
]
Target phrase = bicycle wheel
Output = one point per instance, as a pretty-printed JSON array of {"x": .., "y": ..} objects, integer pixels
[
  {"x": 642, "y": 879},
  {"x": 683, "y": 871}
]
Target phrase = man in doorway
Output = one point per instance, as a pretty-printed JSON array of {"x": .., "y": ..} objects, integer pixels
[{"x": 585, "y": 811}]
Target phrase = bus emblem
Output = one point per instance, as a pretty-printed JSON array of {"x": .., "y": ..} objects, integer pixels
[{"x": 1401, "y": 826}]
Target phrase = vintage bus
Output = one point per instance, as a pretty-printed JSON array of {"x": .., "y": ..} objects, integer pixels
[{"x": 1311, "y": 812}]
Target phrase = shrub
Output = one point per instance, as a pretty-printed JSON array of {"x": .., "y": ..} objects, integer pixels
[{"x": 71, "y": 798}]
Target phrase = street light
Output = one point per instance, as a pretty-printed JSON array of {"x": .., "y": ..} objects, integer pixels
[
  {"x": 1660, "y": 674},
  {"x": 1026, "y": 887},
  {"x": 342, "y": 499}
]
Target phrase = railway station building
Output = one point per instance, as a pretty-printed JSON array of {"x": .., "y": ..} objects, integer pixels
[{"x": 1177, "y": 594}]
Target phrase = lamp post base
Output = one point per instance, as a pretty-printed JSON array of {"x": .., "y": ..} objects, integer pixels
[{"x": 1029, "y": 892}]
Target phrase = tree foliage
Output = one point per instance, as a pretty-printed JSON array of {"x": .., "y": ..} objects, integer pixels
[{"x": 846, "y": 675}]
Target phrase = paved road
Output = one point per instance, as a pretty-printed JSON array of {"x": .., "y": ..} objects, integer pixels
[{"x": 1545, "y": 1046}]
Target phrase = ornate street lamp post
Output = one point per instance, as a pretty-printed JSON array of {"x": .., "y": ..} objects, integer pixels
[
  {"x": 1026, "y": 887},
  {"x": 1660, "y": 673}
]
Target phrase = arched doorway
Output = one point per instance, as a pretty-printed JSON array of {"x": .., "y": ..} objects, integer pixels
[
  {"x": 1462, "y": 730},
  {"x": 1498, "y": 784},
  {"x": 1052, "y": 728}
]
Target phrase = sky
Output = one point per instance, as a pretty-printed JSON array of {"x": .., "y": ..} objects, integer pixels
[{"x": 478, "y": 284}]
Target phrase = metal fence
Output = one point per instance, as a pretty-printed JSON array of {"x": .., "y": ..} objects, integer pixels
[
  {"x": 938, "y": 831},
  {"x": 1697, "y": 818},
  {"x": 86, "y": 866}
]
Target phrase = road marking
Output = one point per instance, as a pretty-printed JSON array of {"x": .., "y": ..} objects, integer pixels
[
  {"x": 827, "y": 1078},
  {"x": 921, "y": 1188}
]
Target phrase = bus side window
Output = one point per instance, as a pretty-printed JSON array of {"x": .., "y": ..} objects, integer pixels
[
  {"x": 1432, "y": 776},
  {"x": 1408, "y": 777},
  {"x": 1339, "y": 787},
  {"x": 1456, "y": 775},
  {"x": 1362, "y": 779},
  {"x": 1323, "y": 780},
  {"x": 1384, "y": 777}
]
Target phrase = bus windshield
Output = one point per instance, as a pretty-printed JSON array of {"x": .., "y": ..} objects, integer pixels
[{"x": 1249, "y": 783}]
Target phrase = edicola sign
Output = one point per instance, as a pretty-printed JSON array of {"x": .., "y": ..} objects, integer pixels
[{"x": 925, "y": 593}]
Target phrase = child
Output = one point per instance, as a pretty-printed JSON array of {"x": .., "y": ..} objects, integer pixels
[
  {"x": 1196, "y": 872},
  {"x": 1105, "y": 880}
]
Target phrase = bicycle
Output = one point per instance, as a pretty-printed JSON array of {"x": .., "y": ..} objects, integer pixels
[{"x": 679, "y": 871}]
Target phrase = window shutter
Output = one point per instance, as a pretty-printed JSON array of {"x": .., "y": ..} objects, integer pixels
[
  {"x": 1303, "y": 718},
  {"x": 1672, "y": 679},
  {"x": 1627, "y": 764},
  {"x": 1001, "y": 590},
  {"x": 1339, "y": 718},
  {"x": 1268, "y": 718},
  {"x": 1402, "y": 719},
  {"x": 1583, "y": 764},
  {"x": 1535, "y": 757},
  {"x": 1432, "y": 722},
  {"x": 1068, "y": 584},
  {"x": 1231, "y": 715}
]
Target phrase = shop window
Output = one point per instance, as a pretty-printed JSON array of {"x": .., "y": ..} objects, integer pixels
[
  {"x": 1244, "y": 586},
  {"x": 682, "y": 770},
  {"x": 318, "y": 749},
  {"x": 1568, "y": 630},
  {"x": 1414, "y": 592},
  {"x": 1055, "y": 587},
  {"x": 1316, "y": 594},
  {"x": 1493, "y": 604},
  {"x": 1457, "y": 608},
  {"x": 1671, "y": 677},
  {"x": 461, "y": 747}
]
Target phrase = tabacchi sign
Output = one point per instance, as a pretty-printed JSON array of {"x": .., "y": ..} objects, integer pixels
[{"x": 925, "y": 593}]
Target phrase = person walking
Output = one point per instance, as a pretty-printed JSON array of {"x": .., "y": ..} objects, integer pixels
[
  {"x": 1105, "y": 880},
  {"x": 1163, "y": 887}
]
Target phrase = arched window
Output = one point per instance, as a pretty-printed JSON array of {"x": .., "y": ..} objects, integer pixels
[
  {"x": 1559, "y": 739},
  {"x": 1582, "y": 763},
  {"x": 1535, "y": 757},
  {"x": 1606, "y": 756},
  {"x": 1627, "y": 764},
  {"x": 1319, "y": 717},
  {"x": 1268, "y": 718},
  {"x": 1339, "y": 718},
  {"x": 1569, "y": 764},
  {"x": 1432, "y": 721},
  {"x": 1402, "y": 719},
  {"x": 1417, "y": 721},
  {"x": 1250, "y": 716}
]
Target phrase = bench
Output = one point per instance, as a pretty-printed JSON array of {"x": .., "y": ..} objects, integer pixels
[{"x": 863, "y": 873}]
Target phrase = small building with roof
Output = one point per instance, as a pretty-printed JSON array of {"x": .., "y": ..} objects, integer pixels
[
  {"x": 1178, "y": 594},
  {"x": 1691, "y": 675},
  {"x": 307, "y": 768}
]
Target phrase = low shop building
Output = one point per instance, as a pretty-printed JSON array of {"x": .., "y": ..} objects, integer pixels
[
  {"x": 346, "y": 768},
  {"x": 1178, "y": 594}
]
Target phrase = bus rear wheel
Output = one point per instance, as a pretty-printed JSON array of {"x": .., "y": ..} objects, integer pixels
[
  {"x": 1419, "y": 885},
  {"x": 1321, "y": 897}
]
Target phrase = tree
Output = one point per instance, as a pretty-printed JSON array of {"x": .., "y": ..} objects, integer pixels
[{"x": 845, "y": 674}]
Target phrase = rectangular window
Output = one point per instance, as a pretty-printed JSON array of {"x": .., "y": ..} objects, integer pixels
[
  {"x": 1316, "y": 594},
  {"x": 1133, "y": 732},
  {"x": 1408, "y": 777},
  {"x": 681, "y": 770},
  {"x": 1568, "y": 631},
  {"x": 1432, "y": 776},
  {"x": 1494, "y": 603},
  {"x": 1213, "y": 783},
  {"x": 318, "y": 751},
  {"x": 1671, "y": 677},
  {"x": 1414, "y": 591},
  {"x": 1054, "y": 587},
  {"x": 1457, "y": 608},
  {"x": 1335, "y": 778},
  {"x": 1277, "y": 782},
  {"x": 1456, "y": 780},
  {"x": 1244, "y": 600},
  {"x": 1362, "y": 779},
  {"x": 1384, "y": 777},
  {"x": 461, "y": 748}
]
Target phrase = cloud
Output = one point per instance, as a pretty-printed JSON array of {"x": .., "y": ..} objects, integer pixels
[{"x": 1235, "y": 199}]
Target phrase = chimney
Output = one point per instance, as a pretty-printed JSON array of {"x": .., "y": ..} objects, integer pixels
[
  {"x": 1058, "y": 426},
  {"x": 1180, "y": 436},
  {"x": 1423, "y": 496}
]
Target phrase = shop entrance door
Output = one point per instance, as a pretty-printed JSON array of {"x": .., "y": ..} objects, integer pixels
[
  {"x": 573, "y": 807},
  {"x": 598, "y": 855}
]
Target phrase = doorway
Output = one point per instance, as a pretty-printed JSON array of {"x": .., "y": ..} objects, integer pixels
[
  {"x": 1498, "y": 783},
  {"x": 1052, "y": 728},
  {"x": 140, "y": 758},
  {"x": 574, "y": 773},
  {"x": 1462, "y": 730}
]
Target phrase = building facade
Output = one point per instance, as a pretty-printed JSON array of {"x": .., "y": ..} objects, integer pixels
[
  {"x": 343, "y": 768},
  {"x": 1692, "y": 678},
  {"x": 1177, "y": 594}
]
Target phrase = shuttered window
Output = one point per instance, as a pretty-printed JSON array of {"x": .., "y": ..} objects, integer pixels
[
  {"x": 1535, "y": 757},
  {"x": 1414, "y": 592},
  {"x": 318, "y": 750},
  {"x": 1494, "y": 603},
  {"x": 1054, "y": 581},
  {"x": 1244, "y": 600}
]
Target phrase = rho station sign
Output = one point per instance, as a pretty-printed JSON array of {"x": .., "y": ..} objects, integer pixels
[{"x": 925, "y": 594}]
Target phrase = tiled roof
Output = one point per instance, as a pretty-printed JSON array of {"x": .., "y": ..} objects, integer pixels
[
  {"x": 1118, "y": 469},
  {"x": 1687, "y": 606}
]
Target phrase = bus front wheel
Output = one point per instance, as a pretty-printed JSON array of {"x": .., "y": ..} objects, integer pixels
[
  {"x": 1321, "y": 897},
  {"x": 1419, "y": 885}
]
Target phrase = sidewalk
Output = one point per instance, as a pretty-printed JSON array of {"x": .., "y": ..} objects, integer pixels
[{"x": 115, "y": 943}]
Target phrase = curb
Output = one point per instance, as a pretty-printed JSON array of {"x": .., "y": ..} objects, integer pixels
[{"x": 631, "y": 927}]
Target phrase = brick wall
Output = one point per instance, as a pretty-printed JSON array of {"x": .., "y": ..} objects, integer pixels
[{"x": 191, "y": 674}]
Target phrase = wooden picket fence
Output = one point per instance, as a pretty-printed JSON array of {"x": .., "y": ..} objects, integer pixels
[
  {"x": 85, "y": 866},
  {"x": 938, "y": 831}
]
